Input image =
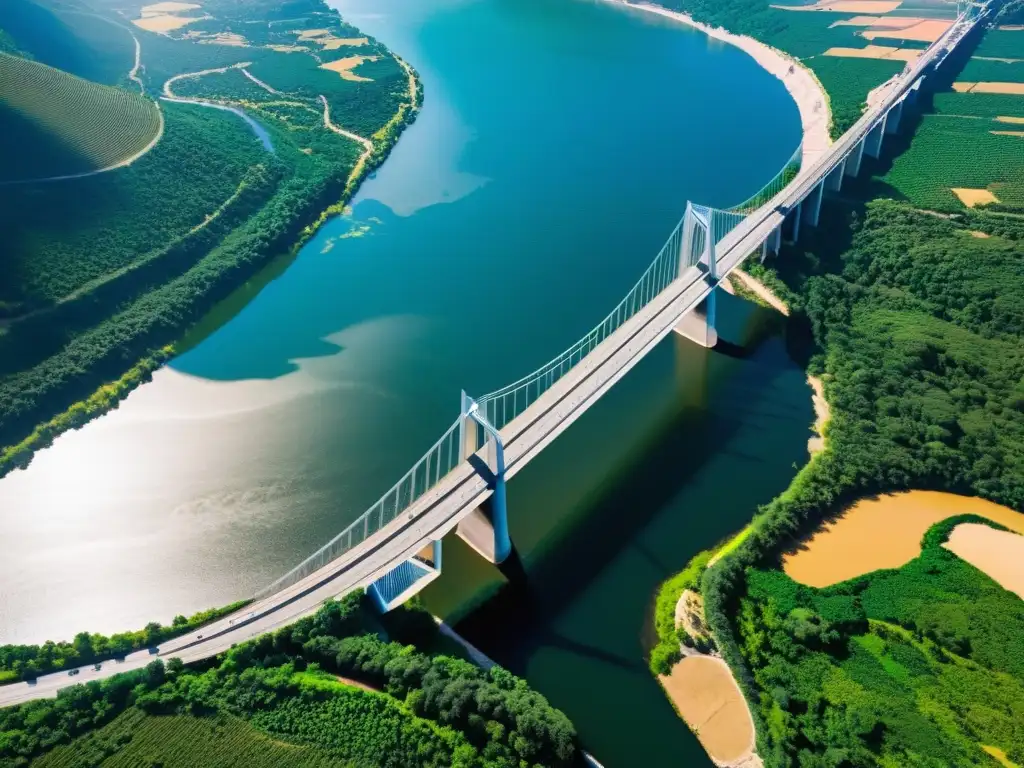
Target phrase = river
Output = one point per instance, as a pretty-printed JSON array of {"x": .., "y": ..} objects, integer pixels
[{"x": 557, "y": 146}]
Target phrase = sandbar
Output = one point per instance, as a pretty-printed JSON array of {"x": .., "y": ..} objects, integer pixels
[
  {"x": 875, "y": 52},
  {"x": 706, "y": 696}
]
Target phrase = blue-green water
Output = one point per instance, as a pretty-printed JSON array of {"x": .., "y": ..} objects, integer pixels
[{"x": 557, "y": 147}]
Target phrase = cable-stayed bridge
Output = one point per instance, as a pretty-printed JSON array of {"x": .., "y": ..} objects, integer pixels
[{"x": 394, "y": 548}]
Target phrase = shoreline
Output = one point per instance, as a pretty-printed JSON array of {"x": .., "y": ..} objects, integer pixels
[
  {"x": 811, "y": 100},
  {"x": 108, "y": 396}
]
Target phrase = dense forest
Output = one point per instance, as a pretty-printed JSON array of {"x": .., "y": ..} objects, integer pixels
[
  {"x": 91, "y": 301},
  {"x": 913, "y": 319},
  {"x": 344, "y": 686}
]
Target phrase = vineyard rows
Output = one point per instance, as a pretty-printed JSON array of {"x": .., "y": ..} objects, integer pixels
[
  {"x": 181, "y": 741},
  {"x": 82, "y": 125}
]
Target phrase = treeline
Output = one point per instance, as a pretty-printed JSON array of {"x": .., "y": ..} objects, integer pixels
[
  {"x": 431, "y": 711},
  {"x": 27, "y": 662},
  {"x": 910, "y": 666},
  {"x": 915, "y": 326}
]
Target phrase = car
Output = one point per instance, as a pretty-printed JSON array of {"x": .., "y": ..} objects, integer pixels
[{"x": 72, "y": 672}]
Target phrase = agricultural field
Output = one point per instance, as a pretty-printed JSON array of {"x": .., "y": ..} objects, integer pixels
[
  {"x": 839, "y": 47},
  {"x": 112, "y": 220},
  {"x": 184, "y": 741},
  {"x": 1002, "y": 43},
  {"x": 69, "y": 35},
  {"x": 968, "y": 141},
  {"x": 56, "y": 124},
  {"x": 959, "y": 152}
]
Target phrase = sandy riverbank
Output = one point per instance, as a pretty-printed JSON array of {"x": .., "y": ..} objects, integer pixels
[{"x": 803, "y": 86}]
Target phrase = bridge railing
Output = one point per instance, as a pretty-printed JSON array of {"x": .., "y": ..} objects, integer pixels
[
  {"x": 686, "y": 246},
  {"x": 503, "y": 405},
  {"x": 442, "y": 458},
  {"x": 773, "y": 187}
]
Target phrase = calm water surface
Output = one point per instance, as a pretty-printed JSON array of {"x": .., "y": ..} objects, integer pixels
[{"x": 558, "y": 144}]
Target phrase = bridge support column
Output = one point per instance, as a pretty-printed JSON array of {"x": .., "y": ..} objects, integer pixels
[
  {"x": 699, "y": 325},
  {"x": 813, "y": 203},
  {"x": 794, "y": 216},
  {"x": 834, "y": 181},
  {"x": 852, "y": 161},
  {"x": 485, "y": 529},
  {"x": 873, "y": 141},
  {"x": 914, "y": 91},
  {"x": 892, "y": 121},
  {"x": 409, "y": 577}
]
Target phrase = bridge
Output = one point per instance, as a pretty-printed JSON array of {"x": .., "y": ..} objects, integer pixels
[{"x": 393, "y": 550}]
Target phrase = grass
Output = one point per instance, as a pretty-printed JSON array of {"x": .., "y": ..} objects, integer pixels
[{"x": 57, "y": 124}]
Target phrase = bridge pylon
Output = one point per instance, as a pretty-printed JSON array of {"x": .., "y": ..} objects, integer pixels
[
  {"x": 698, "y": 248},
  {"x": 485, "y": 529}
]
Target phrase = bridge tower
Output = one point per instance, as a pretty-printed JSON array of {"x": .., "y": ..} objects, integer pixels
[
  {"x": 698, "y": 248},
  {"x": 485, "y": 529}
]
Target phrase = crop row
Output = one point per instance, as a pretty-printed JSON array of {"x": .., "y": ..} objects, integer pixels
[{"x": 100, "y": 125}]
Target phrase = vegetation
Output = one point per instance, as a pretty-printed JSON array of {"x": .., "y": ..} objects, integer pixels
[
  {"x": 914, "y": 323},
  {"x": 806, "y": 36},
  {"x": 666, "y": 652},
  {"x": 915, "y": 666},
  {"x": 960, "y": 152},
  {"x": 185, "y": 741},
  {"x": 69, "y": 35},
  {"x": 278, "y": 700},
  {"x": 27, "y": 662},
  {"x": 959, "y": 145},
  {"x": 57, "y": 124},
  {"x": 92, "y": 301}
]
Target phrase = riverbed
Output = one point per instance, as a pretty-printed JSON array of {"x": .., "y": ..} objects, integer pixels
[{"x": 556, "y": 149}]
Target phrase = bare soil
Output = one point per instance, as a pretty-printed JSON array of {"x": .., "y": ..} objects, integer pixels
[
  {"x": 998, "y": 554},
  {"x": 883, "y": 532}
]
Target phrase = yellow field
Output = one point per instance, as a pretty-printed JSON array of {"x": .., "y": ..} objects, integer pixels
[
  {"x": 883, "y": 532},
  {"x": 925, "y": 31},
  {"x": 973, "y": 197},
  {"x": 1016, "y": 89},
  {"x": 875, "y": 52},
  {"x": 345, "y": 66},
  {"x": 999, "y": 554}
]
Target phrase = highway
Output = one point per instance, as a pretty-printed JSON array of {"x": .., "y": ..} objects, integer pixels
[{"x": 461, "y": 491}]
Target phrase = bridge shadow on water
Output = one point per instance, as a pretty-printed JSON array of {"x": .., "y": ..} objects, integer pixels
[{"x": 580, "y": 602}]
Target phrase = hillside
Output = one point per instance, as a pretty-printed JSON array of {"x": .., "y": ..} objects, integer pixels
[
  {"x": 93, "y": 300},
  {"x": 55, "y": 124}
]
